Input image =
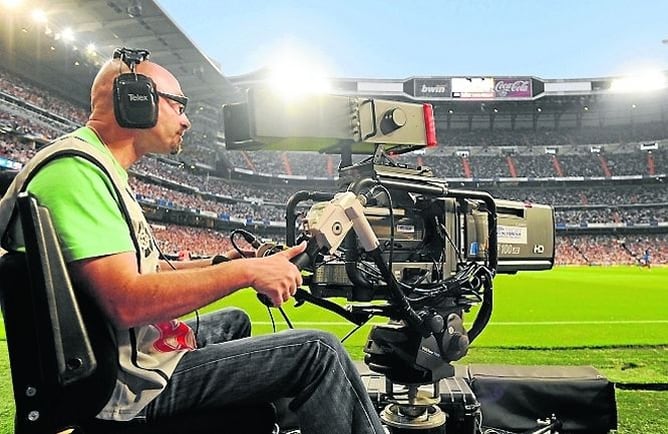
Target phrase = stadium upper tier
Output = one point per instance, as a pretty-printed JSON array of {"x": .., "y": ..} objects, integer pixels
[
  {"x": 178, "y": 187},
  {"x": 621, "y": 154},
  {"x": 603, "y": 151}
]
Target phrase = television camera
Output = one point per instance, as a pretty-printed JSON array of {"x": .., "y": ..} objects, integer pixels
[{"x": 394, "y": 240}]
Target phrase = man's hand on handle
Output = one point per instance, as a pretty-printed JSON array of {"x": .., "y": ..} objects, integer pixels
[{"x": 275, "y": 276}]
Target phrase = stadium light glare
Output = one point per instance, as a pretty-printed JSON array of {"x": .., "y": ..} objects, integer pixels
[
  {"x": 11, "y": 4},
  {"x": 67, "y": 35},
  {"x": 293, "y": 76},
  {"x": 38, "y": 16},
  {"x": 295, "y": 83},
  {"x": 644, "y": 82}
]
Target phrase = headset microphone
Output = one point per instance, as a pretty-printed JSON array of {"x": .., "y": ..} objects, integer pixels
[{"x": 135, "y": 95}]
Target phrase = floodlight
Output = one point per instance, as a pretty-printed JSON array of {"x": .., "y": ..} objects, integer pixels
[
  {"x": 643, "y": 82},
  {"x": 67, "y": 35},
  {"x": 11, "y": 4},
  {"x": 38, "y": 15},
  {"x": 294, "y": 76}
]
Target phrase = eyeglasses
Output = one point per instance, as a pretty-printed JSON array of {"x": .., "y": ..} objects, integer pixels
[{"x": 180, "y": 99}]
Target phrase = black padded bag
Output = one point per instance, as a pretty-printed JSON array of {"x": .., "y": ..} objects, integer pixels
[{"x": 512, "y": 398}]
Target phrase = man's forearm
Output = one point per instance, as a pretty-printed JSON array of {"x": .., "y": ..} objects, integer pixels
[
  {"x": 130, "y": 299},
  {"x": 200, "y": 263},
  {"x": 184, "y": 265},
  {"x": 171, "y": 295}
]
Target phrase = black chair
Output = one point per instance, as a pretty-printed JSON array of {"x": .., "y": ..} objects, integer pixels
[
  {"x": 6, "y": 178},
  {"x": 63, "y": 358}
]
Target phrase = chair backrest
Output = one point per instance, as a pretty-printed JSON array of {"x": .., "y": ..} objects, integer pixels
[
  {"x": 62, "y": 354},
  {"x": 6, "y": 178}
]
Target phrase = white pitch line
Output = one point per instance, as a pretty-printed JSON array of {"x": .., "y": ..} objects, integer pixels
[
  {"x": 516, "y": 323},
  {"x": 509, "y": 323}
]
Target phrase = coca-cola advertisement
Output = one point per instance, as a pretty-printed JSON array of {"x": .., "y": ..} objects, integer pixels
[{"x": 512, "y": 87}]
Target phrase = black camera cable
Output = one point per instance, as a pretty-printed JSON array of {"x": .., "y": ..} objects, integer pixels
[{"x": 248, "y": 236}]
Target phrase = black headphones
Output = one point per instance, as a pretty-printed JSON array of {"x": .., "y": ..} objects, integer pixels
[{"x": 135, "y": 95}]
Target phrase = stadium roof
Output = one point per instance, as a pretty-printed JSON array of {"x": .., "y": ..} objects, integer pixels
[{"x": 41, "y": 52}]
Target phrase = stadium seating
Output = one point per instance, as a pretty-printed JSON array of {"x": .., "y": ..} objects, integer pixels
[{"x": 258, "y": 199}]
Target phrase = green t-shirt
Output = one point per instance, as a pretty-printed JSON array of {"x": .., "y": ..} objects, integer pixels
[{"x": 83, "y": 204}]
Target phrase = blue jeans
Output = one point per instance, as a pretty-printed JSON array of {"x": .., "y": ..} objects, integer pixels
[{"x": 311, "y": 367}]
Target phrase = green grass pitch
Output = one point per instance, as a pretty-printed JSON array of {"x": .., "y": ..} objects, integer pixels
[
  {"x": 564, "y": 307},
  {"x": 614, "y": 318}
]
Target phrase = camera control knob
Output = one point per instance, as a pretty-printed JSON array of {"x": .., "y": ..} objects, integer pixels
[
  {"x": 436, "y": 323},
  {"x": 393, "y": 119}
]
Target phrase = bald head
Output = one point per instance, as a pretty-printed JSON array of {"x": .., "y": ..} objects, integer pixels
[
  {"x": 129, "y": 144},
  {"x": 101, "y": 96}
]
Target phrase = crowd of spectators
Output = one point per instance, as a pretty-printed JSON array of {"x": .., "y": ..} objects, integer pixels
[
  {"x": 645, "y": 132},
  {"x": 196, "y": 202},
  {"x": 198, "y": 148},
  {"x": 239, "y": 191},
  {"x": 570, "y": 249},
  {"x": 12, "y": 121},
  {"x": 580, "y": 163},
  {"x": 261, "y": 203},
  {"x": 16, "y": 151},
  {"x": 39, "y": 97},
  {"x": 171, "y": 183},
  {"x": 197, "y": 242},
  {"x": 627, "y": 216},
  {"x": 610, "y": 250},
  {"x": 603, "y": 195}
]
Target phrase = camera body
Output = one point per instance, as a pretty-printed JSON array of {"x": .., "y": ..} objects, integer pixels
[{"x": 432, "y": 231}]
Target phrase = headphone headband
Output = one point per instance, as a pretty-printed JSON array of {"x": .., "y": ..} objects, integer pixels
[{"x": 131, "y": 57}]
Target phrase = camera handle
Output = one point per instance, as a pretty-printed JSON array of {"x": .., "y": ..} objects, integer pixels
[{"x": 328, "y": 230}]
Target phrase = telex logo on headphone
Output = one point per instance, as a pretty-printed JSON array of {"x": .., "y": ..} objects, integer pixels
[{"x": 135, "y": 95}]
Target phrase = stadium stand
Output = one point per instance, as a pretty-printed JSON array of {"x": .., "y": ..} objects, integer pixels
[{"x": 638, "y": 208}]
